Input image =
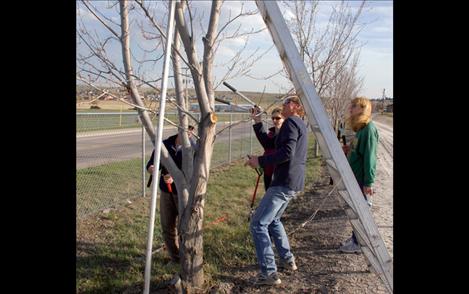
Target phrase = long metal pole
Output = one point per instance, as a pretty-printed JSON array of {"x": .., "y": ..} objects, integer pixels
[{"x": 158, "y": 139}]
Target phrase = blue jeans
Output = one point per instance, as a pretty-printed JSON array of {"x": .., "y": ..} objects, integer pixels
[{"x": 265, "y": 223}]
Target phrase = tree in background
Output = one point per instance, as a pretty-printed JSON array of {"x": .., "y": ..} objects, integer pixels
[{"x": 330, "y": 52}]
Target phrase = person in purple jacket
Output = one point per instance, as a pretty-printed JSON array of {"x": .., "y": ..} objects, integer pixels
[
  {"x": 267, "y": 139},
  {"x": 289, "y": 159}
]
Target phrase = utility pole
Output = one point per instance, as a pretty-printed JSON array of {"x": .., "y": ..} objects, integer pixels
[
  {"x": 383, "y": 100},
  {"x": 186, "y": 81}
]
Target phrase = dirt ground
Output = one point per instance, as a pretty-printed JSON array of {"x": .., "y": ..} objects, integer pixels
[{"x": 322, "y": 268}]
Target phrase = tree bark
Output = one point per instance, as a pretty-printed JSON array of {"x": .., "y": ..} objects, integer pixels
[
  {"x": 191, "y": 248},
  {"x": 166, "y": 160},
  {"x": 191, "y": 219}
]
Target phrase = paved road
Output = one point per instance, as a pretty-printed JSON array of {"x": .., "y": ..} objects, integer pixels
[
  {"x": 383, "y": 201},
  {"x": 101, "y": 148}
]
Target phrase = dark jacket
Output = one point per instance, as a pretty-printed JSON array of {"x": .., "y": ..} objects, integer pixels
[
  {"x": 267, "y": 140},
  {"x": 176, "y": 155},
  {"x": 289, "y": 158}
]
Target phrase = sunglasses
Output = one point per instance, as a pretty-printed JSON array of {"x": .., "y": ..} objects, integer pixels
[{"x": 276, "y": 118}]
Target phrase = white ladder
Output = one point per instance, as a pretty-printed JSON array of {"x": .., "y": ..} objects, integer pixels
[{"x": 357, "y": 211}]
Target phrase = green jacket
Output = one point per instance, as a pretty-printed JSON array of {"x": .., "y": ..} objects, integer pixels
[{"x": 362, "y": 155}]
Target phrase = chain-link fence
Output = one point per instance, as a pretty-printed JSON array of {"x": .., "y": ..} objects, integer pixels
[
  {"x": 95, "y": 121},
  {"x": 113, "y": 148}
]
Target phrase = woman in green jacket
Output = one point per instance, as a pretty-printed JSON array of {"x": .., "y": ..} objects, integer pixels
[{"x": 361, "y": 155}]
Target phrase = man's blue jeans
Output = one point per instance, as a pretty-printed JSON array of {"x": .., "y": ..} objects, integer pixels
[{"x": 265, "y": 221}]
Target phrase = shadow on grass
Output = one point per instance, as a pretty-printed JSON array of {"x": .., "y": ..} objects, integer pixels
[{"x": 118, "y": 268}]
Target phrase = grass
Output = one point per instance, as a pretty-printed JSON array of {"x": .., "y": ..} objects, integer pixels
[
  {"x": 107, "y": 185},
  {"x": 117, "y": 121},
  {"x": 105, "y": 122},
  {"x": 95, "y": 122},
  {"x": 229, "y": 244},
  {"x": 111, "y": 247}
]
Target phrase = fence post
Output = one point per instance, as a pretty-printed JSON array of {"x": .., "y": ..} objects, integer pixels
[
  {"x": 316, "y": 147},
  {"x": 120, "y": 117},
  {"x": 242, "y": 145},
  {"x": 250, "y": 139},
  {"x": 229, "y": 138},
  {"x": 143, "y": 160}
]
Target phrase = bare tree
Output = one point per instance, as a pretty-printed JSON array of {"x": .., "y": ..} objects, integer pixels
[
  {"x": 344, "y": 88},
  {"x": 327, "y": 52},
  {"x": 191, "y": 180}
]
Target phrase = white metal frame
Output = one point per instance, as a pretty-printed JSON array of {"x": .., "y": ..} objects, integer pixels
[
  {"x": 358, "y": 212},
  {"x": 158, "y": 141}
]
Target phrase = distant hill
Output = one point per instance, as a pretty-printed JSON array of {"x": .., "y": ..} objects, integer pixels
[{"x": 85, "y": 92}]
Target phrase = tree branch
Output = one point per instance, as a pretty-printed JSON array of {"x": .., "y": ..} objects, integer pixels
[
  {"x": 187, "y": 152},
  {"x": 195, "y": 67},
  {"x": 99, "y": 19},
  {"x": 163, "y": 34},
  {"x": 208, "y": 50}
]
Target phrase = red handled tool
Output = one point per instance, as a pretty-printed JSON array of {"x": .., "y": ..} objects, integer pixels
[
  {"x": 259, "y": 174},
  {"x": 170, "y": 189}
]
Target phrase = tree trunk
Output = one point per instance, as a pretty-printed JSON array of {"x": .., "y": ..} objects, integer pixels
[
  {"x": 191, "y": 236},
  {"x": 191, "y": 249},
  {"x": 191, "y": 181}
]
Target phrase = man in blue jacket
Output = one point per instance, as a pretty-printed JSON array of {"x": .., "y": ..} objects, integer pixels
[{"x": 289, "y": 159}]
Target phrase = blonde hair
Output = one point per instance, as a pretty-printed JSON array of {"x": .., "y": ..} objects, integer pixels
[
  {"x": 296, "y": 99},
  {"x": 359, "y": 121}
]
